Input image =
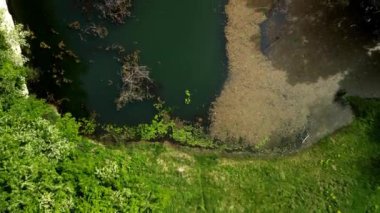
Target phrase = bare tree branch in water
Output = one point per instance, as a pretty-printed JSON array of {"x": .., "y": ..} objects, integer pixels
[{"x": 136, "y": 81}]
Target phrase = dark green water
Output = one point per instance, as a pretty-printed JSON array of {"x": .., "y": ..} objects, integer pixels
[{"x": 182, "y": 42}]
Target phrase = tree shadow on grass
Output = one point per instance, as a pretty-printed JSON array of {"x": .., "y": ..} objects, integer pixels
[{"x": 368, "y": 111}]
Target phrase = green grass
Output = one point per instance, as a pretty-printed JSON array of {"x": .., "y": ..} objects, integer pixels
[
  {"x": 46, "y": 166},
  {"x": 342, "y": 173}
]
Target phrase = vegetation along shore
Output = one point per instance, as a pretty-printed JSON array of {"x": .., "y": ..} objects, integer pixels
[{"x": 51, "y": 162}]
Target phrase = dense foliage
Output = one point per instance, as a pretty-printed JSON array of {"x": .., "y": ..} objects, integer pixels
[
  {"x": 162, "y": 128},
  {"x": 46, "y": 166}
]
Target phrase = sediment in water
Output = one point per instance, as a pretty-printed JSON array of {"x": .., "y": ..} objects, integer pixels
[{"x": 259, "y": 101}]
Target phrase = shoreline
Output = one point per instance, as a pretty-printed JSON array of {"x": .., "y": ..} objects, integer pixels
[{"x": 258, "y": 104}]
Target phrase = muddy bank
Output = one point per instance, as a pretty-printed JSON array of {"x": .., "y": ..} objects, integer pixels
[{"x": 312, "y": 51}]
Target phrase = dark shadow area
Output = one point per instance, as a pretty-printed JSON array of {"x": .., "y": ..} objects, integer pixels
[
  {"x": 186, "y": 52},
  {"x": 58, "y": 67},
  {"x": 369, "y": 111},
  {"x": 312, "y": 40}
]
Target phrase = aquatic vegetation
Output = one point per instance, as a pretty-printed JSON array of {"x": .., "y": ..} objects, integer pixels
[
  {"x": 114, "y": 10},
  {"x": 87, "y": 126},
  {"x": 75, "y": 25},
  {"x": 44, "y": 45},
  {"x": 96, "y": 30},
  {"x": 187, "y": 97},
  {"x": 163, "y": 127},
  {"x": 115, "y": 47},
  {"x": 91, "y": 29}
]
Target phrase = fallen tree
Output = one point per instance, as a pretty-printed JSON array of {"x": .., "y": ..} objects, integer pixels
[{"x": 136, "y": 83}]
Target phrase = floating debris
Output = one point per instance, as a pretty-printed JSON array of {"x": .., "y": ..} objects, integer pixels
[
  {"x": 74, "y": 25},
  {"x": 374, "y": 49},
  {"x": 71, "y": 54},
  {"x": 96, "y": 30},
  {"x": 115, "y": 10},
  {"x": 54, "y": 31},
  {"x": 44, "y": 45},
  {"x": 115, "y": 47},
  {"x": 61, "y": 45},
  {"x": 59, "y": 56}
]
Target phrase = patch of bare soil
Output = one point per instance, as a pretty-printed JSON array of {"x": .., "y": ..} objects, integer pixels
[{"x": 259, "y": 102}]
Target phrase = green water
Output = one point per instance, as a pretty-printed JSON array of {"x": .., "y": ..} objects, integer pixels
[{"x": 182, "y": 42}]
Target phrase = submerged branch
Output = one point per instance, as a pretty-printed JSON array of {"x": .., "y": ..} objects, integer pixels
[{"x": 136, "y": 81}]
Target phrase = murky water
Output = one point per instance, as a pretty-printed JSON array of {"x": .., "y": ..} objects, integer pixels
[
  {"x": 317, "y": 39},
  {"x": 290, "y": 62},
  {"x": 182, "y": 42}
]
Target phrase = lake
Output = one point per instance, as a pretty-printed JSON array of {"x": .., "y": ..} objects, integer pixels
[{"x": 182, "y": 43}]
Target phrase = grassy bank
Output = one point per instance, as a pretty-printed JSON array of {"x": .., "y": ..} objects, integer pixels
[{"x": 45, "y": 165}]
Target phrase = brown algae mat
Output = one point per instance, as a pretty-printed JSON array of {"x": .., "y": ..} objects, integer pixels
[{"x": 289, "y": 94}]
